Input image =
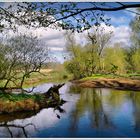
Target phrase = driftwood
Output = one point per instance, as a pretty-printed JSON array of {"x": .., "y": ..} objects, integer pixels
[
  {"x": 53, "y": 90},
  {"x": 52, "y": 97}
]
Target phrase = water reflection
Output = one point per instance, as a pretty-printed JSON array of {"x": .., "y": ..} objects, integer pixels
[
  {"x": 107, "y": 109},
  {"x": 9, "y": 127},
  {"x": 87, "y": 113},
  {"x": 28, "y": 123},
  {"x": 136, "y": 110},
  {"x": 90, "y": 102}
]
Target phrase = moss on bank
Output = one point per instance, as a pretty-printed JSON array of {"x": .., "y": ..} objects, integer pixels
[
  {"x": 25, "y": 102},
  {"x": 19, "y": 97}
]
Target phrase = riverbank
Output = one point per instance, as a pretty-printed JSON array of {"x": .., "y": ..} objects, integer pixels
[
  {"x": 45, "y": 76},
  {"x": 10, "y": 102},
  {"x": 115, "y": 83}
]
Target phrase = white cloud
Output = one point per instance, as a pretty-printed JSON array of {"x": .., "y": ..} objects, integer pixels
[
  {"x": 52, "y": 38},
  {"x": 119, "y": 20},
  {"x": 121, "y": 34},
  {"x": 56, "y": 49},
  {"x": 131, "y": 11},
  {"x": 55, "y": 39},
  {"x": 81, "y": 38}
]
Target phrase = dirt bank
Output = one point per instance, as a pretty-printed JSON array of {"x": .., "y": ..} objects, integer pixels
[{"x": 117, "y": 83}]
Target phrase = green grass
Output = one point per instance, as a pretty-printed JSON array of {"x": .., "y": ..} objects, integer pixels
[
  {"x": 54, "y": 76},
  {"x": 35, "y": 79},
  {"x": 131, "y": 75},
  {"x": 19, "y": 97},
  {"x": 98, "y": 76}
]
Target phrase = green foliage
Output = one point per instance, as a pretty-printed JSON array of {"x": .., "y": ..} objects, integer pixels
[
  {"x": 74, "y": 68},
  {"x": 87, "y": 61},
  {"x": 114, "y": 68},
  {"x": 135, "y": 36},
  {"x": 114, "y": 60},
  {"x": 136, "y": 60},
  {"x": 135, "y": 48},
  {"x": 65, "y": 15},
  {"x": 19, "y": 97},
  {"x": 97, "y": 76}
]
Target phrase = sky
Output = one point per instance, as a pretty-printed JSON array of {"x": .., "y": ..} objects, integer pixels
[{"x": 56, "y": 42}]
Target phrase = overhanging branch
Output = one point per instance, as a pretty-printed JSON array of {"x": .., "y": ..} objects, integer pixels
[{"x": 122, "y": 7}]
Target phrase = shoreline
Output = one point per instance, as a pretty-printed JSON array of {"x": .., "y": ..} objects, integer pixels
[
  {"x": 114, "y": 83},
  {"x": 29, "y": 104}
]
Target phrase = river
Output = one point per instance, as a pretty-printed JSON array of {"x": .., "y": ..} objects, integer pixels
[{"x": 88, "y": 113}]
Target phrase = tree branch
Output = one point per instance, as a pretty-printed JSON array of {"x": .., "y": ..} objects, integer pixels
[{"x": 98, "y": 8}]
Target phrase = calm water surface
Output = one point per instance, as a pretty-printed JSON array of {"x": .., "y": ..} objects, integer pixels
[{"x": 87, "y": 113}]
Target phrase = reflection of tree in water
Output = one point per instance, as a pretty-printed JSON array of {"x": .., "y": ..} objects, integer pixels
[
  {"x": 10, "y": 126},
  {"x": 116, "y": 98},
  {"x": 21, "y": 127},
  {"x": 90, "y": 101},
  {"x": 21, "y": 124},
  {"x": 98, "y": 116},
  {"x": 135, "y": 97}
]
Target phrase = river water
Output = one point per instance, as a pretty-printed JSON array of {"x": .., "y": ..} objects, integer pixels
[{"x": 88, "y": 113}]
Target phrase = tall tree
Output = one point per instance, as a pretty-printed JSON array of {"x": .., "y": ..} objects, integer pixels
[
  {"x": 135, "y": 36},
  {"x": 98, "y": 39},
  {"x": 135, "y": 45}
]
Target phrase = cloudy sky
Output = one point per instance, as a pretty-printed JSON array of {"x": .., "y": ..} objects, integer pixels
[{"x": 55, "y": 39}]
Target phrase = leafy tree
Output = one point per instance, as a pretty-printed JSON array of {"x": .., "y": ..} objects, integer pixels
[
  {"x": 135, "y": 36},
  {"x": 135, "y": 47},
  {"x": 77, "y": 64},
  {"x": 86, "y": 60},
  {"x": 114, "y": 59},
  {"x": 136, "y": 60}
]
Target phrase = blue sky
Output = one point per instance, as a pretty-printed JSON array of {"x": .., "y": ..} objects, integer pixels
[
  {"x": 55, "y": 39},
  {"x": 120, "y": 17}
]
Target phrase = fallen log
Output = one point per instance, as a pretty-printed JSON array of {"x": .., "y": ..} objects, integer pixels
[
  {"x": 31, "y": 102},
  {"x": 53, "y": 90}
]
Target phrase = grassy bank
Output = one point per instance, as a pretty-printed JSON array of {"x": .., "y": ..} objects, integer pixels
[
  {"x": 55, "y": 76},
  {"x": 112, "y": 76},
  {"x": 45, "y": 76},
  {"x": 122, "y": 82},
  {"x": 10, "y": 102},
  {"x": 19, "y": 102}
]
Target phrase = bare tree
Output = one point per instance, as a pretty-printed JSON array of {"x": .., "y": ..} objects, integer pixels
[
  {"x": 98, "y": 39},
  {"x": 3, "y": 62},
  {"x": 24, "y": 55},
  {"x": 70, "y": 43}
]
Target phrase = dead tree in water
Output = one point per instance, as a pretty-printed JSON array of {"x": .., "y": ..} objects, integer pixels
[
  {"x": 52, "y": 97},
  {"x": 53, "y": 90}
]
